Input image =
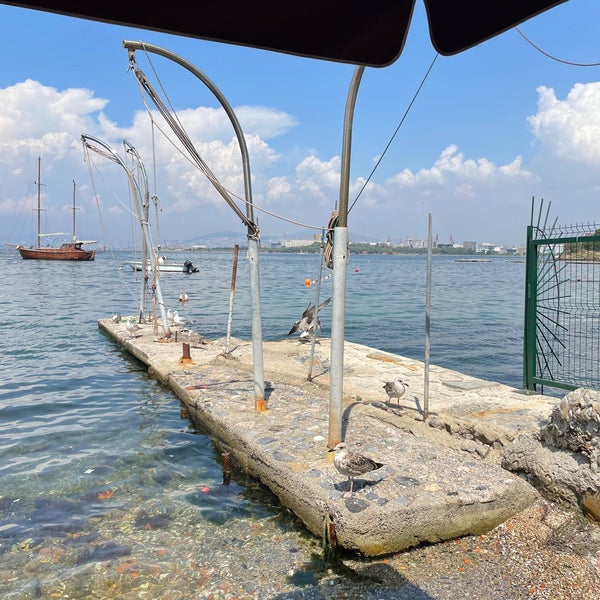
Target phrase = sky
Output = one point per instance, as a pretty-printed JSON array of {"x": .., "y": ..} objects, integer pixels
[{"x": 477, "y": 140}]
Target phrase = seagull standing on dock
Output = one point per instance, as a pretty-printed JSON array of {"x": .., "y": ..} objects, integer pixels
[
  {"x": 395, "y": 389},
  {"x": 180, "y": 321},
  {"x": 132, "y": 327},
  {"x": 306, "y": 325},
  {"x": 352, "y": 464}
]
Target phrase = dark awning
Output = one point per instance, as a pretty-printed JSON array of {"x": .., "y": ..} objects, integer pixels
[{"x": 365, "y": 32}]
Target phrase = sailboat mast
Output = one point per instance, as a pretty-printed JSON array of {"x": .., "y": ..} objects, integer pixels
[
  {"x": 39, "y": 207},
  {"x": 74, "y": 236}
]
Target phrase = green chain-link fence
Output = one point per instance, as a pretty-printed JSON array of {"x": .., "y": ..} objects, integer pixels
[{"x": 562, "y": 307}]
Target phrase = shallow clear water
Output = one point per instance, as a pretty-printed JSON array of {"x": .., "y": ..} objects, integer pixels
[{"x": 106, "y": 490}]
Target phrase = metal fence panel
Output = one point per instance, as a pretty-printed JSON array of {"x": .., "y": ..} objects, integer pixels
[{"x": 562, "y": 307}]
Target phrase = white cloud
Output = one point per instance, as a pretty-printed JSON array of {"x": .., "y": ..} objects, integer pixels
[
  {"x": 453, "y": 172},
  {"x": 465, "y": 193},
  {"x": 569, "y": 128}
]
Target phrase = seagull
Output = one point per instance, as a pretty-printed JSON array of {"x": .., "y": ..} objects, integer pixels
[
  {"x": 132, "y": 327},
  {"x": 352, "y": 464},
  {"x": 116, "y": 318},
  {"x": 395, "y": 389},
  {"x": 306, "y": 325},
  {"x": 180, "y": 321},
  {"x": 183, "y": 297},
  {"x": 170, "y": 316}
]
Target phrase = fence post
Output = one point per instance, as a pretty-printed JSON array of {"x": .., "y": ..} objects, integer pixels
[{"x": 529, "y": 338}]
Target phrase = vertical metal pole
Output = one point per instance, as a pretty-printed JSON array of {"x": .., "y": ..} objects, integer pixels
[
  {"x": 146, "y": 247},
  {"x": 529, "y": 338},
  {"x": 427, "y": 327},
  {"x": 260, "y": 402},
  {"x": 39, "y": 204},
  {"x": 74, "y": 209},
  {"x": 340, "y": 259},
  {"x": 236, "y": 249},
  {"x": 317, "y": 300},
  {"x": 149, "y": 256}
]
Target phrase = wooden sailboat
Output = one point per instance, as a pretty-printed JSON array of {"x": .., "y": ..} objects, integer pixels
[{"x": 68, "y": 250}]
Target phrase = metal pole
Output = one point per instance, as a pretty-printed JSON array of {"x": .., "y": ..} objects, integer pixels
[
  {"x": 340, "y": 259},
  {"x": 529, "y": 338},
  {"x": 148, "y": 242},
  {"x": 317, "y": 300},
  {"x": 232, "y": 294},
  {"x": 39, "y": 204},
  {"x": 427, "y": 327},
  {"x": 253, "y": 234},
  {"x": 74, "y": 234}
]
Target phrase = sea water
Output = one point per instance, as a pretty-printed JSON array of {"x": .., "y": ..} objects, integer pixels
[{"x": 107, "y": 492}]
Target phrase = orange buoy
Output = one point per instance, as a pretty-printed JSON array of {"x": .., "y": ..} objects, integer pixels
[{"x": 307, "y": 282}]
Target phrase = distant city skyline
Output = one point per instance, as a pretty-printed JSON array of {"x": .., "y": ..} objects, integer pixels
[{"x": 231, "y": 238}]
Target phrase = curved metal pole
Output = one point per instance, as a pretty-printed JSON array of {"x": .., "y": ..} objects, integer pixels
[
  {"x": 139, "y": 207},
  {"x": 257, "y": 351},
  {"x": 340, "y": 256}
]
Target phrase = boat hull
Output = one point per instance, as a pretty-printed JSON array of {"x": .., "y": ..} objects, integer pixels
[
  {"x": 167, "y": 267},
  {"x": 69, "y": 252}
]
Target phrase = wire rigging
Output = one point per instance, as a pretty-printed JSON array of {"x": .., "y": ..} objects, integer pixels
[
  {"x": 172, "y": 120},
  {"x": 414, "y": 98},
  {"x": 554, "y": 58},
  {"x": 88, "y": 159},
  {"x": 207, "y": 172}
]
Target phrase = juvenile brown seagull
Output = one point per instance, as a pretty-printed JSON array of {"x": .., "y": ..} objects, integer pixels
[
  {"x": 306, "y": 325},
  {"x": 395, "y": 389},
  {"x": 352, "y": 464}
]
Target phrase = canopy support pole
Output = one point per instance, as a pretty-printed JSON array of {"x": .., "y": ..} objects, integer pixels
[{"x": 340, "y": 261}]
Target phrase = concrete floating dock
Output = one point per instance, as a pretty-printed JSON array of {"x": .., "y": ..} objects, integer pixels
[{"x": 442, "y": 478}]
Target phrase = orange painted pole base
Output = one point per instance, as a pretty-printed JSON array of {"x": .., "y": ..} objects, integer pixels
[
  {"x": 186, "y": 357},
  {"x": 260, "y": 405}
]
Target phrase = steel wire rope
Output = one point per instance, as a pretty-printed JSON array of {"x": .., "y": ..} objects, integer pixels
[
  {"x": 555, "y": 58},
  {"x": 23, "y": 206},
  {"x": 333, "y": 219},
  {"x": 128, "y": 209},
  {"x": 90, "y": 162},
  {"x": 212, "y": 177},
  {"x": 187, "y": 143},
  {"x": 334, "y": 214},
  {"x": 155, "y": 198},
  {"x": 387, "y": 147},
  {"x": 529, "y": 41},
  {"x": 234, "y": 194}
]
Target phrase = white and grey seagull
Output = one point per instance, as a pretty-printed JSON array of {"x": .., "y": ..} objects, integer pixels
[
  {"x": 132, "y": 327},
  {"x": 309, "y": 323},
  {"x": 170, "y": 316},
  {"x": 181, "y": 321},
  {"x": 352, "y": 464},
  {"x": 395, "y": 388}
]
